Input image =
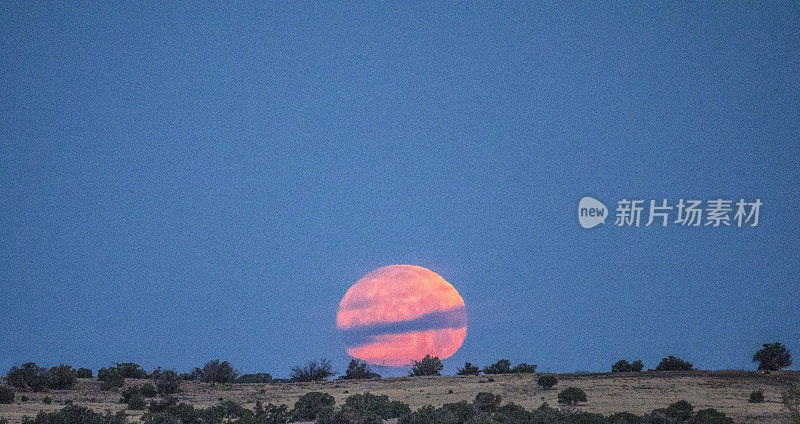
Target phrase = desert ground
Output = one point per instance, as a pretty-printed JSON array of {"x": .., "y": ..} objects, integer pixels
[{"x": 607, "y": 393}]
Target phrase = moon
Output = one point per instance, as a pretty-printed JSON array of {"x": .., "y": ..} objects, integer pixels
[{"x": 397, "y": 314}]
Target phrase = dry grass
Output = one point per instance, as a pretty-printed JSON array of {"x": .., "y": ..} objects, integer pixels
[{"x": 607, "y": 393}]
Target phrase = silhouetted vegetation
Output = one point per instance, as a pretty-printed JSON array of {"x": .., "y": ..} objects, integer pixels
[
  {"x": 547, "y": 382},
  {"x": 6, "y": 394},
  {"x": 61, "y": 377},
  {"x": 429, "y": 365},
  {"x": 110, "y": 378},
  {"x": 502, "y": 366},
  {"x": 311, "y": 405},
  {"x": 313, "y": 371},
  {"x": 29, "y": 376},
  {"x": 84, "y": 373},
  {"x": 486, "y": 402},
  {"x": 469, "y": 369},
  {"x": 167, "y": 382},
  {"x": 773, "y": 357},
  {"x": 217, "y": 371},
  {"x": 571, "y": 396},
  {"x": 672, "y": 363},
  {"x": 523, "y": 368},
  {"x": 358, "y": 370},
  {"x": 625, "y": 366},
  {"x": 260, "y": 377},
  {"x": 756, "y": 397},
  {"x": 73, "y": 414}
]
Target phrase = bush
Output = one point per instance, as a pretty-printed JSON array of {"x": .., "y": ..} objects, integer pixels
[
  {"x": 271, "y": 414},
  {"x": 429, "y": 365},
  {"x": 637, "y": 366},
  {"x": 312, "y": 404},
  {"x": 547, "y": 381},
  {"x": 148, "y": 390},
  {"x": 710, "y": 416},
  {"x": 6, "y": 394},
  {"x": 30, "y": 377},
  {"x": 524, "y": 368},
  {"x": 313, "y": 371},
  {"x": 756, "y": 397},
  {"x": 127, "y": 393},
  {"x": 76, "y": 415},
  {"x": 368, "y": 405},
  {"x": 672, "y": 363},
  {"x": 137, "y": 402},
  {"x": 62, "y": 377},
  {"x": 259, "y": 377},
  {"x": 357, "y": 370},
  {"x": 486, "y": 402},
  {"x": 168, "y": 382},
  {"x": 621, "y": 366},
  {"x": 218, "y": 372},
  {"x": 502, "y": 366},
  {"x": 461, "y": 411},
  {"x": 773, "y": 357},
  {"x": 84, "y": 373},
  {"x": 571, "y": 396},
  {"x": 47, "y": 400},
  {"x": 131, "y": 370},
  {"x": 469, "y": 369},
  {"x": 110, "y": 378}
]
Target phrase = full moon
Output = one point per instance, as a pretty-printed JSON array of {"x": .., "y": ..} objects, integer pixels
[{"x": 397, "y": 314}]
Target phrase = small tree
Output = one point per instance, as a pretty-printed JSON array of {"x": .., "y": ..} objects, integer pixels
[
  {"x": 148, "y": 390},
  {"x": 84, "y": 373},
  {"x": 259, "y": 377},
  {"x": 168, "y": 382},
  {"x": 756, "y": 397},
  {"x": 487, "y": 402},
  {"x": 773, "y": 357},
  {"x": 217, "y": 371},
  {"x": 524, "y": 368},
  {"x": 61, "y": 377},
  {"x": 357, "y": 370},
  {"x": 547, "y": 381},
  {"x": 131, "y": 370},
  {"x": 30, "y": 377},
  {"x": 313, "y": 371},
  {"x": 672, "y": 363},
  {"x": 311, "y": 405},
  {"x": 110, "y": 378},
  {"x": 469, "y": 369},
  {"x": 621, "y": 366},
  {"x": 637, "y": 366},
  {"x": 571, "y": 396},
  {"x": 429, "y": 365},
  {"x": 502, "y": 366}
]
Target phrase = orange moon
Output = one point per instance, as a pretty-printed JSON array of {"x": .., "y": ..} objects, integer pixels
[{"x": 397, "y": 314}]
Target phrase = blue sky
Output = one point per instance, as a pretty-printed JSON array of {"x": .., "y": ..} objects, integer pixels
[{"x": 184, "y": 182}]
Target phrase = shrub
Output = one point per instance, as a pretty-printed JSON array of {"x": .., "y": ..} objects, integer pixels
[
  {"x": 571, "y": 396},
  {"x": 671, "y": 363},
  {"x": 127, "y": 393},
  {"x": 136, "y": 402},
  {"x": 357, "y": 370},
  {"x": 469, "y": 369},
  {"x": 28, "y": 377},
  {"x": 168, "y": 382},
  {"x": 502, "y": 366},
  {"x": 24, "y": 398},
  {"x": 131, "y": 370},
  {"x": 271, "y": 414},
  {"x": 461, "y": 411},
  {"x": 47, "y": 400},
  {"x": 547, "y": 381},
  {"x": 148, "y": 390},
  {"x": 429, "y": 365},
  {"x": 218, "y": 372},
  {"x": 710, "y": 416},
  {"x": 773, "y": 357},
  {"x": 84, "y": 373},
  {"x": 110, "y": 378},
  {"x": 756, "y": 397},
  {"x": 486, "y": 402},
  {"x": 77, "y": 415},
  {"x": 524, "y": 368},
  {"x": 429, "y": 415},
  {"x": 310, "y": 405},
  {"x": 680, "y": 410},
  {"x": 313, "y": 371},
  {"x": 61, "y": 377},
  {"x": 621, "y": 366},
  {"x": 368, "y": 405},
  {"x": 260, "y": 377},
  {"x": 637, "y": 366},
  {"x": 6, "y": 394}
]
